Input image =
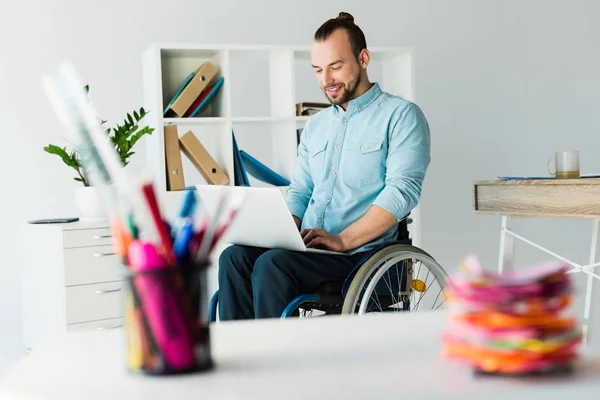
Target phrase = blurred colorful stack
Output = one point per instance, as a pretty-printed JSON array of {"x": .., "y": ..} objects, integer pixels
[{"x": 512, "y": 323}]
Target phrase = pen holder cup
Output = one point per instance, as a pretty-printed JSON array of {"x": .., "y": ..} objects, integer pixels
[{"x": 166, "y": 330}]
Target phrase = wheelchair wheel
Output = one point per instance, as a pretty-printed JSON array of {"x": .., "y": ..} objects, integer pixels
[{"x": 399, "y": 278}]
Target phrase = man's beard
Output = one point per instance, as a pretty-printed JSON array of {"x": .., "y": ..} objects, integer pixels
[{"x": 347, "y": 92}]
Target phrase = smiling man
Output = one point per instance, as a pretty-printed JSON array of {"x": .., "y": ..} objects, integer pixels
[{"x": 361, "y": 165}]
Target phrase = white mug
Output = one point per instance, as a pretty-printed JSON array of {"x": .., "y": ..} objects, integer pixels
[{"x": 566, "y": 165}]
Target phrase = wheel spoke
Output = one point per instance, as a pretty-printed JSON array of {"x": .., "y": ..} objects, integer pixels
[
  {"x": 436, "y": 299},
  {"x": 423, "y": 293},
  {"x": 390, "y": 288},
  {"x": 399, "y": 277},
  {"x": 376, "y": 299}
]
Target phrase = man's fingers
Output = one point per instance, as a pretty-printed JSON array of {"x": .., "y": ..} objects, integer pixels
[
  {"x": 313, "y": 233},
  {"x": 305, "y": 231},
  {"x": 319, "y": 241},
  {"x": 309, "y": 236}
]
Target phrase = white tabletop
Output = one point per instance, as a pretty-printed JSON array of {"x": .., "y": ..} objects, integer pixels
[{"x": 374, "y": 357}]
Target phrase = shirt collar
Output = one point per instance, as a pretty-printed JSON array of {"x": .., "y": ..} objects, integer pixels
[{"x": 361, "y": 101}]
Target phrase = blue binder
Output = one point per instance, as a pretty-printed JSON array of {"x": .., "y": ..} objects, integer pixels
[
  {"x": 261, "y": 171},
  {"x": 181, "y": 87},
  {"x": 240, "y": 176}
]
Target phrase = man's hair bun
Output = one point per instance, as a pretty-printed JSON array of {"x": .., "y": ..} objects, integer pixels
[{"x": 346, "y": 17}]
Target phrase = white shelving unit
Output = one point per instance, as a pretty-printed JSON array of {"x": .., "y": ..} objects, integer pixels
[{"x": 261, "y": 87}]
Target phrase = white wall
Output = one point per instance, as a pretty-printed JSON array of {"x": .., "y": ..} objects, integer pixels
[{"x": 504, "y": 84}]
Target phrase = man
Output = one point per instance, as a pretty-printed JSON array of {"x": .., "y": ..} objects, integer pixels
[{"x": 361, "y": 164}]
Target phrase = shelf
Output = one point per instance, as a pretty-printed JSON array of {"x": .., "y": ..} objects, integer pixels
[
  {"x": 194, "y": 121},
  {"x": 251, "y": 120},
  {"x": 235, "y": 120},
  {"x": 177, "y": 65},
  {"x": 190, "y": 53},
  {"x": 269, "y": 119},
  {"x": 261, "y": 82}
]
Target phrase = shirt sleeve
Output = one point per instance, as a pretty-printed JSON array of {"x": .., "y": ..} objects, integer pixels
[
  {"x": 301, "y": 186},
  {"x": 407, "y": 162}
]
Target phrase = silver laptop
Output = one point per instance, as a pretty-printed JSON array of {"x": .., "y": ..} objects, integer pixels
[{"x": 263, "y": 220}]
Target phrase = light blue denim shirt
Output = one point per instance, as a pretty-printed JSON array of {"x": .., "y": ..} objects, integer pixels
[{"x": 375, "y": 152}]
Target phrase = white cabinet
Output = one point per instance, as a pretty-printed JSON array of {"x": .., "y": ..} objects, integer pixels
[{"x": 71, "y": 279}]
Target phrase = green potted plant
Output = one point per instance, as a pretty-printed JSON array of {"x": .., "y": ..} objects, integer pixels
[{"x": 123, "y": 137}]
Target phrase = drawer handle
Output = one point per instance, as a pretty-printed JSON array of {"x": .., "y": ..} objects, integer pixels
[
  {"x": 103, "y": 254},
  {"x": 105, "y": 328},
  {"x": 102, "y": 236},
  {"x": 108, "y": 291}
]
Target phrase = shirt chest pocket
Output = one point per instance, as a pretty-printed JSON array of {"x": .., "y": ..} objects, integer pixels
[
  {"x": 316, "y": 162},
  {"x": 364, "y": 162}
]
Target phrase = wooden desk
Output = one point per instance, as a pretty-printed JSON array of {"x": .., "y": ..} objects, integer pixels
[
  {"x": 394, "y": 356},
  {"x": 544, "y": 198}
]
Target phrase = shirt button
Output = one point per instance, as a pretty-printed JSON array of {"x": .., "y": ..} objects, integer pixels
[
  {"x": 362, "y": 148},
  {"x": 333, "y": 173},
  {"x": 328, "y": 197},
  {"x": 345, "y": 120},
  {"x": 319, "y": 220},
  {"x": 359, "y": 108},
  {"x": 338, "y": 146}
]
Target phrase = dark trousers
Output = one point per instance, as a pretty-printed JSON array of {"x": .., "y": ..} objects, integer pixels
[{"x": 259, "y": 283}]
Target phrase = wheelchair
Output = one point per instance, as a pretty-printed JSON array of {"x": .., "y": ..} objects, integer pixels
[{"x": 395, "y": 277}]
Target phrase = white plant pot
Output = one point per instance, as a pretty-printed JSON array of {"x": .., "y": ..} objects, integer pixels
[{"x": 89, "y": 203}]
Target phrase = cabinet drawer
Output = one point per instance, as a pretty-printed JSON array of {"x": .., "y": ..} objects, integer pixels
[
  {"x": 86, "y": 237},
  {"x": 102, "y": 325},
  {"x": 91, "y": 265},
  {"x": 93, "y": 302}
]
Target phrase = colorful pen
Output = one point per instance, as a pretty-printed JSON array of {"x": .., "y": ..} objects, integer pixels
[
  {"x": 132, "y": 226},
  {"x": 159, "y": 223},
  {"x": 181, "y": 244}
]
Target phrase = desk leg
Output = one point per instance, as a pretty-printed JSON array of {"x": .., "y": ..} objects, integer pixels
[
  {"x": 590, "y": 283},
  {"x": 506, "y": 253}
]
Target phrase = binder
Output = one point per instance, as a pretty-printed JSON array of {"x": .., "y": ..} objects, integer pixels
[
  {"x": 206, "y": 97},
  {"x": 261, "y": 172},
  {"x": 174, "y": 168},
  {"x": 202, "y": 160},
  {"x": 202, "y": 77},
  {"x": 199, "y": 100},
  {"x": 176, "y": 95},
  {"x": 240, "y": 176}
]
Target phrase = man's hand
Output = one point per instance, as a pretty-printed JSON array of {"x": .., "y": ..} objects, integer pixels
[
  {"x": 298, "y": 222},
  {"x": 318, "y": 238}
]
